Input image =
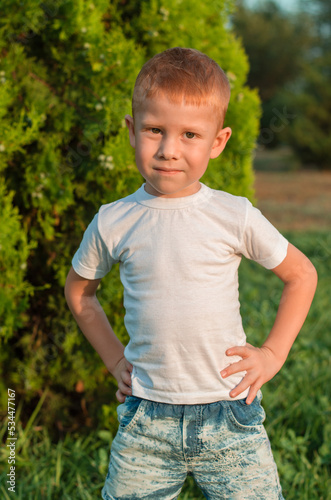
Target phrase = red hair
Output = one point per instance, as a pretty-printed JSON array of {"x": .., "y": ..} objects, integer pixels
[{"x": 183, "y": 74}]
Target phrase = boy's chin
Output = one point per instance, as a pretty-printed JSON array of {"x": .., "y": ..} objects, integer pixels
[{"x": 175, "y": 192}]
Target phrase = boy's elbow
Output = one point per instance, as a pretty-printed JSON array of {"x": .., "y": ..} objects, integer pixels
[
  {"x": 313, "y": 275},
  {"x": 309, "y": 277}
]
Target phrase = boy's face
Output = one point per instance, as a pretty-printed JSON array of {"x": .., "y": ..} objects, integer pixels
[{"x": 173, "y": 144}]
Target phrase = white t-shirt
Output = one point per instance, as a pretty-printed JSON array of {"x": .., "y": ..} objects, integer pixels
[{"x": 179, "y": 260}]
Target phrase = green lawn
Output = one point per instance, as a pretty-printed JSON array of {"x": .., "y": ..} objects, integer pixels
[{"x": 297, "y": 402}]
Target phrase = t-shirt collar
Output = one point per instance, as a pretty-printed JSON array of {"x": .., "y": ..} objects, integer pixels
[{"x": 161, "y": 202}]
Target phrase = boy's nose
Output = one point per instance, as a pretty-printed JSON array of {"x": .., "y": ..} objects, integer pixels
[{"x": 168, "y": 149}]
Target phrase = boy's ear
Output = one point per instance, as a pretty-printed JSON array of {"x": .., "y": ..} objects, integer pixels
[
  {"x": 130, "y": 124},
  {"x": 220, "y": 142}
]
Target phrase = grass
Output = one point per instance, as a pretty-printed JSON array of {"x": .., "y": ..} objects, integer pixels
[
  {"x": 74, "y": 467},
  {"x": 297, "y": 403},
  {"x": 297, "y": 400}
]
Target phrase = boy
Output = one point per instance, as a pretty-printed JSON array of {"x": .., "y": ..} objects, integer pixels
[{"x": 188, "y": 382}]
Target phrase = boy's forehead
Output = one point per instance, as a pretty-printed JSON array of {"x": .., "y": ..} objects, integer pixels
[
  {"x": 181, "y": 98},
  {"x": 165, "y": 108}
]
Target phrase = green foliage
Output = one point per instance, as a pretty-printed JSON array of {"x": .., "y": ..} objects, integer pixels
[
  {"x": 15, "y": 290},
  {"x": 290, "y": 65},
  {"x": 276, "y": 55},
  {"x": 276, "y": 58},
  {"x": 311, "y": 101},
  {"x": 14, "y": 252},
  {"x": 311, "y": 129},
  {"x": 67, "y": 74}
]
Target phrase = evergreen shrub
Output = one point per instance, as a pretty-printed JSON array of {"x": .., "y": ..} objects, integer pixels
[{"x": 67, "y": 74}]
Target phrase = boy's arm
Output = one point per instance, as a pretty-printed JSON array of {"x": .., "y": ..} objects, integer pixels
[
  {"x": 261, "y": 364},
  {"x": 81, "y": 297}
]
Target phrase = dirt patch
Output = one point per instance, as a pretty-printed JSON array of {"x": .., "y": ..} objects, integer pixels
[{"x": 295, "y": 200}]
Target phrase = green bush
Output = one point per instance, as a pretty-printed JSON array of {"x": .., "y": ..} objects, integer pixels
[
  {"x": 15, "y": 290},
  {"x": 67, "y": 74}
]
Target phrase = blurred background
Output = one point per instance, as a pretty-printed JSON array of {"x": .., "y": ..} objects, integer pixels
[
  {"x": 67, "y": 70},
  {"x": 288, "y": 46}
]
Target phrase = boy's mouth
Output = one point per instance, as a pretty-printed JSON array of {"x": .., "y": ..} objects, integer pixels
[{"x": 167, "y": 171}]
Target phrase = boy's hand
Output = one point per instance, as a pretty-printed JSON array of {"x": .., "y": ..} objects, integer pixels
[
  {"x": 122, "y": 373},
  {"x": 260, "y": 364}
]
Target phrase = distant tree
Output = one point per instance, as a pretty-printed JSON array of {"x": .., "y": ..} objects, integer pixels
[
  {"x": 310, "y": 132},
  {"x": 276, "y": 43}
]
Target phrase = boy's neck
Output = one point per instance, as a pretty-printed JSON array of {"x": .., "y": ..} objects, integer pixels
[{"x": 188, "y": 191}]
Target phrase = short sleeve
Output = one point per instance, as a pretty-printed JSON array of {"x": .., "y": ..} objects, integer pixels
[
  {"x": 92, "y": 259},
  {"x": 261, "y": 241}
]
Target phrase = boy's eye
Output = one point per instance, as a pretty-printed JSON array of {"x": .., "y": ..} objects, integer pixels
[
  {"x": 190, "y": 135},
  {"x": 155, "y": 130}
]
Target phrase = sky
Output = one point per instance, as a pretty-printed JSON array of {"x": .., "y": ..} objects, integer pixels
[{"x": 287, "y": 5}]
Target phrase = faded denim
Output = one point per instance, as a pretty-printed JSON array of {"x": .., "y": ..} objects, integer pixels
[{"x": 223, "y": 445}]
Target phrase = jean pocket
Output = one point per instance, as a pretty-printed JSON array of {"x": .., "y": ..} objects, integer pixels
[
  {"x": 128, "y": 412},
  {"x": 246, "y": 416}
]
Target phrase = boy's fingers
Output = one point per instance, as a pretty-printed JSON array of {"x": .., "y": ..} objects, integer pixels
[
  {"x": 128, "y": 365},
  {"x": 120, "y": 396},
  {"x": 238, "y": 351},
  {"x": 240, "y": 366},
  {"x": 253, "y": 384},
  {"x": 251, "y": 395},
  {"x": 124, "y": 388},
  {"x": 240, "y": 388},
  {"x": 254, "y": 389},
  {"x": 126, "y": 377}
]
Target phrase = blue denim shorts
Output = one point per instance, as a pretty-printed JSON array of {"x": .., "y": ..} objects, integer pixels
[{"x": 223, "y": 445}]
